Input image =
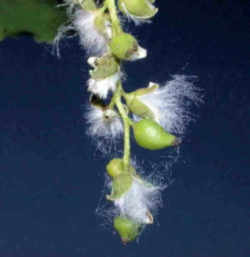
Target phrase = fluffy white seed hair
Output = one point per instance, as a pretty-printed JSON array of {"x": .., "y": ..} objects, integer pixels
[
  {"x": 101, "y": 87},
  {"x": 90, "y": 38},
  {"x": 171, "y": 103},
  {"x": 139, "y": 201},
  {"x": 139, "y": 54},
  {"x": 105, "y": 128},
  {"x": 103, "y": 123},
  {"x": 62, "y": 31},
  {"x": 70, "y": 4}
]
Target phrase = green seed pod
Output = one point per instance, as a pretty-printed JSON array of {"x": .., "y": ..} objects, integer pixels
[
  {"x": 120, "y": 185},
  {"x": 142, "y": 9},
  {"x": 104, "y": 67},
  {"x": 150, "y": 135},
  {"x": 115, "y": 167},
  {"x": 136, "y": 106},
  {"x": 145, "y": 90},
  {"x": 123, "y": 46},
  {"x": 126, "y": 228},
  {"x": 88, "y": 5},
  {"x": 102, "y": 24}
]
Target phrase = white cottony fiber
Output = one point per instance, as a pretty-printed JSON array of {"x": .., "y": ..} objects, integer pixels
[
  {"x": 139, "y": 201},
  {"x": 105, "y": 128},
  {"x": 90, "y": 38},
  {"x": 83, "y": 22},
  {"x": 62, "y": 30},
  {"x": 139, "y": 54},
  {"x": 101, "y": 87},
  {"x": 171, "y": 103},
  {"x": 103, "y": 123}
]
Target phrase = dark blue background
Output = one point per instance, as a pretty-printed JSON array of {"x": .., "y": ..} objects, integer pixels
[{"x": 51, "y": 177}]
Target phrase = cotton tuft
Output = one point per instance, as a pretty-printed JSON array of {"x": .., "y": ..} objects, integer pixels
[
  {"x": 139, "y": 201},
  {"x": 83, "y": 22},
  {"x": 101, "y": 87},
  {"x": 104, "y": 127},
  {"x": 90, "y": 38},
  {"x": 171, "y": 103}
]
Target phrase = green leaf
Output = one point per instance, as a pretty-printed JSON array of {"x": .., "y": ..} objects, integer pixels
[{"x": 41, "y": 18}]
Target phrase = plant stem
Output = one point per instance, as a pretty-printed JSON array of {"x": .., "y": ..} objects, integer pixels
[
  {"x": 116, "y": 27},
  {"x": 89, "y": 4},
  {"x": 113, "y": 15},
  {"x": 126, "y": 125}
]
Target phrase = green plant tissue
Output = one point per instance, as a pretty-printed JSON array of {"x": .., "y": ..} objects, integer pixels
[{"x": 40, "y": 18}]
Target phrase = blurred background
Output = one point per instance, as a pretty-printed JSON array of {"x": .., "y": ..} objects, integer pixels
[{"x": 52, "y": 176}]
